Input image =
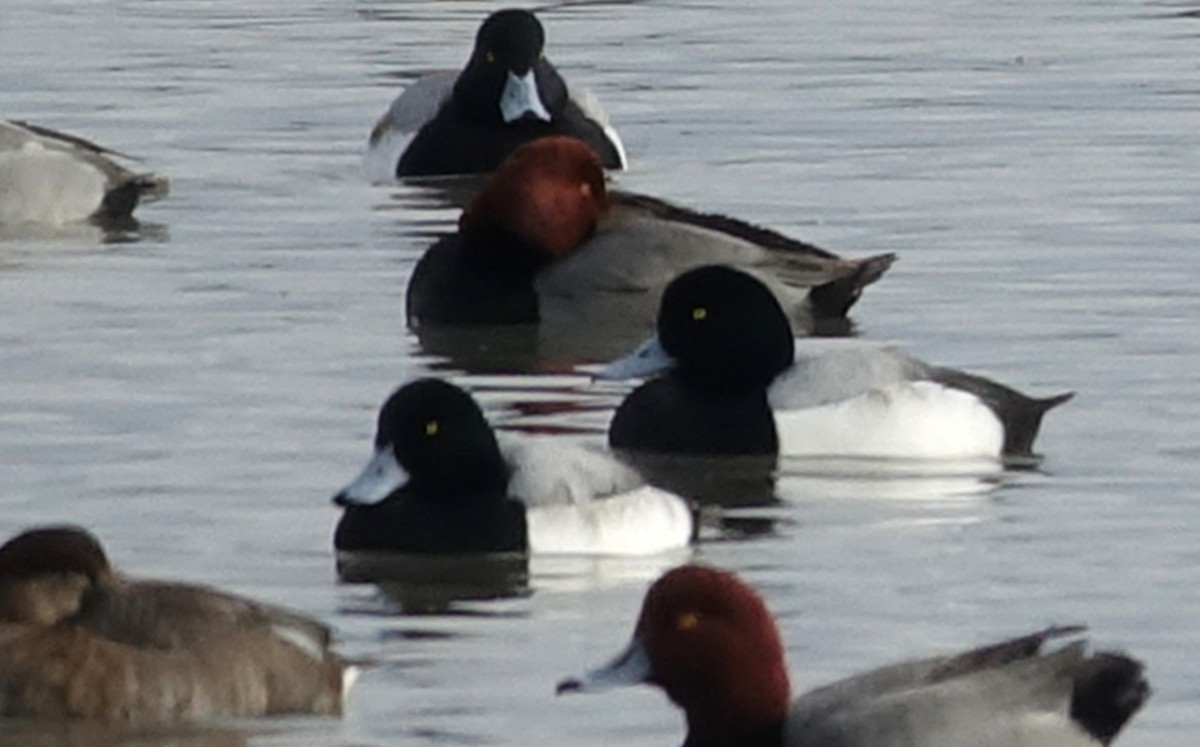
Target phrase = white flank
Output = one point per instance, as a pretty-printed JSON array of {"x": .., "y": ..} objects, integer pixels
[
  {"x": 912, "y": 420},
  {"x": 41, "y": 185},
  {"x": 645, "y": 521},
  {"x": 1053, "y": 730},
  {"x": 590, "y": 105},
  {"x": 383, "y": 153},
  {"x": 350, "y": 675}
]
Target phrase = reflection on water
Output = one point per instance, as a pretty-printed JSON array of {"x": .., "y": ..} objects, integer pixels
[
  {"x": 888, "y": 480},
  {"x": 449, "y": 192},
  {"x": 425, "y": 584},
  {"x": 20, "y": 733},
  {"x": 728, "y": 482},
  {"x": 580, "y": 574},
  {"x": 489, "y": 349},
  {"x": 547, "y": 348},
  {"x": 50, "y": 237},
  {"x": 744, "y": 497}
]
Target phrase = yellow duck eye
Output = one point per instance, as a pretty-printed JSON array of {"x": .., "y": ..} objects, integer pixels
[
  {"x": 432, "y": 428},
  {"x": 699, "y": 314},
  {"x": 687, "y": 621}
]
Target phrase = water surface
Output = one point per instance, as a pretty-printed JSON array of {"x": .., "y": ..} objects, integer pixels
[{"x": 194, "y": 391}]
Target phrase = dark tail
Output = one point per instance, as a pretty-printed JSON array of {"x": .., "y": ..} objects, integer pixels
[
  {"x": 833, "y": 299},
  {"x": 152, "y": 187},
  {"x": 1023, "y": 419},
  {"x": 1109, "y": 689},
  {"x": 1020, "y": 414},
  {"x": 119, "y": 203}
]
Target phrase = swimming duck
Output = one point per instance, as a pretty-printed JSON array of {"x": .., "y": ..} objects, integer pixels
[
  {"x": 440, "y": 482},
  {"x": 546, "y": 240},
  {"x": 507, "y": 94},
  {"x": 736, "y": 382},
  {"x": 80, "y": 640},
  {"x": 708, "y": 639},
  {"x": 53, "y": 177}
]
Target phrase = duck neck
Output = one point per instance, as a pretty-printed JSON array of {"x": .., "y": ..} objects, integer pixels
[
  {"x": 711, "y": 735},
  {"x": 739, "y": 713},
  {"x": 494, "y": 286},
  {"x": 667, "y": 416},
  {"x": 501, "y": 250},
  {"x": 477, "y": 478}
]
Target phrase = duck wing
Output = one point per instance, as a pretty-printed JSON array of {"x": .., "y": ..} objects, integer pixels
[
  {"x": 416, "y": 105},
  {"x": 550, "y": 471},
  {"x": 167, "y": 615},
  {"x": 799, "y": 263},
  {"x": 834, "y": 370},
  {"x": 47, "y": 136},
  {"x": 764, "y": 237}
]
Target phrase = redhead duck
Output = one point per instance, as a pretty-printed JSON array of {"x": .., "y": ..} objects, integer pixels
[
  {"x": 79, "y": 640},
  {"x": 546, "y": 240},
  {"x": 508, "y": 94},
  {"x": 708, "y": 640},
  {"x": 54, "y": 178},
  {"x": 440, "y": 482},
  {"x": 737, "y": 382}
]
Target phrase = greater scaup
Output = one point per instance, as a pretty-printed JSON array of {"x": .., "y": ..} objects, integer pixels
[
  {"x": 440, "y": 482},
  {"x": 737, "y": 382},
  {"x": 507, "y": 94}
]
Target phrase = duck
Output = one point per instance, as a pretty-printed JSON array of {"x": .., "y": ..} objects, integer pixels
[
  {"x": 735, "y": 381},
  {"x": 440, "y": 482},
  {"x": 509, "y": 93},
  {"x": 79, "y": 640},
  {"x": 708, "y": 639},
  {"x": 52, "y": 177},
  {"x": 546, "y": 241}
]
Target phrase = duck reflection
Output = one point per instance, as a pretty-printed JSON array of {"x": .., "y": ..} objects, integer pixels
[
  {"x": 26, "y": 733},
  {"x": 115, "y": 231},
  {"x": 431, "y": 584},
  {"x": 912, "y": 480}
]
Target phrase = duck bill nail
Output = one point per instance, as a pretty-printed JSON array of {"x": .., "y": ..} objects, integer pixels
[
  {"x": 380, "y": 478},
  {"x": 632, "y": 667},
  {"x": 650, "y": 358},
  {"x": 520, "y": 98}
]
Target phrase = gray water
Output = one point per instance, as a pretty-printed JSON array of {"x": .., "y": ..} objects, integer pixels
[{"x": 195, "y": 390}]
